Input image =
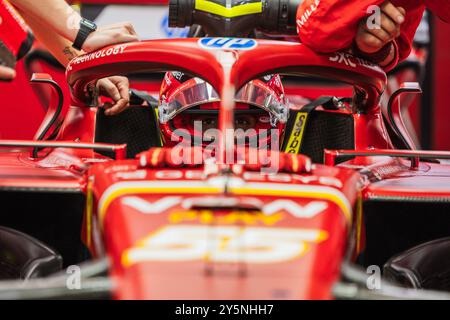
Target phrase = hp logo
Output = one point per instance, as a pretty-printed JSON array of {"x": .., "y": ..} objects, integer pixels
[{"x": 227, "y": 43}]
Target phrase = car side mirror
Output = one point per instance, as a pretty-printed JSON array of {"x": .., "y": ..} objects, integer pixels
[
  {"x": 395, "y": 110},
  {"x": 52, "y": 119}
]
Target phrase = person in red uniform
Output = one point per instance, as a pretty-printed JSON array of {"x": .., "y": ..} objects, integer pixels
[
  {"x": 57, "y": 25},
  {"x": 16, "y": 40},
  {"x": 333, "y": 25}
]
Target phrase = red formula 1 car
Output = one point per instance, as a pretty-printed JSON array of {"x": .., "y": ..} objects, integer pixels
[{"x": 153, "y": 228}]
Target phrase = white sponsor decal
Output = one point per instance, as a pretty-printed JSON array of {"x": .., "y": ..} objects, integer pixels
[
  {"x": 140, "y": 175},
  {"x": 343, "y": 58},
  {"x": 227, "y": 43},
  {"x": 310, "y": 210},
  {"x": 350, "y": 60},
  {"x": 113, "y": 51},
  {"x": 252, "y": 176},
  {"x": 178, "y": 75},
  {"x": 224, "y": 245},
  {"x": 147, "y": 207},
  {"x": 234, "y": 186},
  {"x": 305, "y": 16},
  {"x": 296, "y": 210}
]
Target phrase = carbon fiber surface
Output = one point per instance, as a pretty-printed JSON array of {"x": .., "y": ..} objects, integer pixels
[
  {"x": 326, "y": 130},
  {"x": 137, "y": 127}
]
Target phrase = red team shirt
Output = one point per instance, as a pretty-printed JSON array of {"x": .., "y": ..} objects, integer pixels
[{"x": 331, "y": 25}]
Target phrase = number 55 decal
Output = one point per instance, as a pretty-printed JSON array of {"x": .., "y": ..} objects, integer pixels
[{"x": 223, "y": 244}]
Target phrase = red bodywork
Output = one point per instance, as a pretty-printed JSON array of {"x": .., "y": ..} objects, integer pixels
[{"x": 168, "y": 237}]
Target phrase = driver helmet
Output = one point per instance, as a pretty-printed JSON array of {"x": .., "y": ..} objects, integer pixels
[{"x": 191, "y": 105}]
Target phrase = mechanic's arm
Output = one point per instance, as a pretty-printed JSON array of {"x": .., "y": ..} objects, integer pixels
[
  {"x": 117, "y": 88},
  {"x": 61, "y": 18},
  {"x": 380, "y": 43},
  {"x": 333, "y": 25},
  {"x": 330, "y": 25},
  {"x": 60, "y": 47}
]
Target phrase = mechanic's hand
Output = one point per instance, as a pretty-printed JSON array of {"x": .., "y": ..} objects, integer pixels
[
  {"x": 118, "y": 89},
  {"x": 109, "y": 35},
  {"x": 372, "y": 40},
  {"x": 7, "y": 73}
]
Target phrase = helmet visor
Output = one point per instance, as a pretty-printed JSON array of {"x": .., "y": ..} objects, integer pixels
[
  {"x": 197, "y": 93},
  {"x": 257, "y": 94},
  {"x": 189, "y": 95}
]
